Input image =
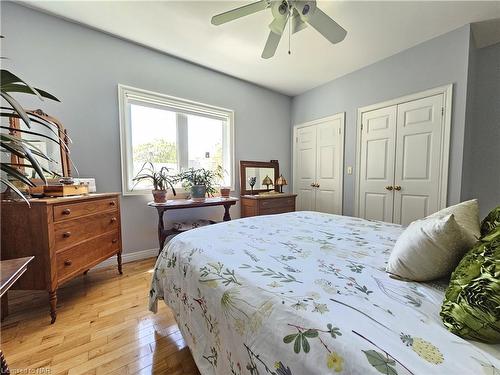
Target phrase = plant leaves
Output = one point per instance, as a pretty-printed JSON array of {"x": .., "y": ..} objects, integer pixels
[
  {"x": 296, "y": 345},
  {"x": 289, "y": 338},
  {"x": 7, "y": 77},
  {"x": 16, "y": 87},
  {"x": 15, "y": 173},
  {"x": 14, "y": 188},
  {"x": 305, "y": 344},
  {"x": 17, "y": 108},
  {"x": 311, "y": 333},
  {"x": 383, "y": 364},
  {"x": 33, "y": 133}
]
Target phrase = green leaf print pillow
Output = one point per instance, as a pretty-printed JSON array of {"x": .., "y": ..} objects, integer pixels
[
  {"x": 491, "y": 221},
  {"x": 471, "y": 307}
]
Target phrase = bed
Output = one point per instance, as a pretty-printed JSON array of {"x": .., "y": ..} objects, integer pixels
[{"x": 306, "y": 293}]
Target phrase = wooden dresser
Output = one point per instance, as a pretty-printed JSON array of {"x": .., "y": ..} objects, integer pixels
[
  {"x": 67, "y": 236},
  {"x": 255, "y": 205}
]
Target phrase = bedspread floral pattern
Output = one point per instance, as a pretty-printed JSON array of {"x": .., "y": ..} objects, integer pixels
[{"x": 306, "y": 293}]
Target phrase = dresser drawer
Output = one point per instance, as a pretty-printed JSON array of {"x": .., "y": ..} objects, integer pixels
[
  {"x": 279, "y": 210},
  {"x": 70, "y": 232},
  {"x": 71, "y": 210},
  {"x": 276, "y": 203},
  {"x": 82, "y": 256}
]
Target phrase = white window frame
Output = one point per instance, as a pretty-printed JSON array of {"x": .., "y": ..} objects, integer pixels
[{"x": 128, "y": 93}]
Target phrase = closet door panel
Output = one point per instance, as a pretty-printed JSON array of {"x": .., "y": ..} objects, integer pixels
[
  {"x": 418, "y": 159},
  {"x": 306, "y": 168},
  {"x": 328, "y": 156},
  {"x": 377, "y": 164}
]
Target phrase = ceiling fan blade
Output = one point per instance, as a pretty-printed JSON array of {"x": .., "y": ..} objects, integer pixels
[
  {"x": 327, "y": 27},
  {"x": 243, "y": 11},
  {"x": 271, "y": 45},
  {"x": 278, "y": 25},
  {"x": 297, "y": 22}
]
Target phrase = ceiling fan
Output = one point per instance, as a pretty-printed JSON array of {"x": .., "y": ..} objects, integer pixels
[{"x": 299, "y": 12}]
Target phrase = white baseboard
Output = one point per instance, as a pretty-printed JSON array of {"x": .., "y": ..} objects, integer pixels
[{"x": 129, "y": 257}]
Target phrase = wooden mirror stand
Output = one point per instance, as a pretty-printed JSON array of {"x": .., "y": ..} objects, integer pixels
[
  {"x": 14, "y": 125},
  {"x": 244, "y": 164}
]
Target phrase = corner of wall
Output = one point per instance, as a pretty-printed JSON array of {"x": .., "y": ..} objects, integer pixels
[{"x": 467, "y": 163}]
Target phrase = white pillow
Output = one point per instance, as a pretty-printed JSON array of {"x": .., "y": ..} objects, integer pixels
[
  {"x": 429, "y": 249},
  {"x": 466, "y": 215}
]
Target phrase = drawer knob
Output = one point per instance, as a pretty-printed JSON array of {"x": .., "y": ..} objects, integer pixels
[
  {"x": 66, "y": 211},
  {"x": 115, "y": 240},
  {"x": 68, "y": 262},
  {"x": 113, "y": 219},
  {"x": 112, "y": 203},
  {"x": 66, "y": 234}
]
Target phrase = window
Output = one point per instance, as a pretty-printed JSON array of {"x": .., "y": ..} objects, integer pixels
[{"x": 172, "y": 132}]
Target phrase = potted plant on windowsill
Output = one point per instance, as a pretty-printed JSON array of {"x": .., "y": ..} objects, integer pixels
[
  {"x": 201, "y": 182},
  {"x": 160, "y": 179}
]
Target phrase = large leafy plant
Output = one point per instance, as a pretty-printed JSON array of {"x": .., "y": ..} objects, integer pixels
[
  {"x": 22, "y": 148},
  {"x": 160, "y": 179},
  {"x": 202, "y": 176}
]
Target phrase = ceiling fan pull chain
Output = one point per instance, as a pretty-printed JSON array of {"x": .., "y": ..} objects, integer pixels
[{"x": 290, "y": 17}]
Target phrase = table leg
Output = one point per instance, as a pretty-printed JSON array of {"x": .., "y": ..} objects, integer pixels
[
  {"x": 5, "y": 305},
  {"x": 53, "y": 304},
  {"x": 227, "y": 216},
  {"x": 119, "y": 260},
  {"x": 4, "y": 367},
  {"x": 161, "y": 229}
]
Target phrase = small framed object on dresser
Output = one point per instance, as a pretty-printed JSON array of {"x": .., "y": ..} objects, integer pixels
[
  {"x": 262, "y": 189},
  {"x": 66, "y": 235}
]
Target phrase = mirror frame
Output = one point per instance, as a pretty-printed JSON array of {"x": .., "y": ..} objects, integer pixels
[
  {"x": 257, "y": 164},
  {"x": 14, "y": 124}
]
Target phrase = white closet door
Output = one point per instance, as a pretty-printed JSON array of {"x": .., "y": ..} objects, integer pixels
[
  {"x": 377, "y": 158},
  {"x": 418, "y": 159},
  {"x": 305, "y": 154},
  {"x": 329, "y": 166}
]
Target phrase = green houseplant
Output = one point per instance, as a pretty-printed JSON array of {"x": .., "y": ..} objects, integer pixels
[
  {"x": 160, "y": 179},
  {"x": 201, "y": 182},
  {"x": 12, "y": 176}
]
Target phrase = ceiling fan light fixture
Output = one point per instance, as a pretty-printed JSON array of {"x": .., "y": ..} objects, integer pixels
[{"x": 301, "y": 12}]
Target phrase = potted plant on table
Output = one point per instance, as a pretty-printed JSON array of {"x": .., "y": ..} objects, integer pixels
[
  {"x": 160, "y": 179},
  {"x": 201, "y": 182}
]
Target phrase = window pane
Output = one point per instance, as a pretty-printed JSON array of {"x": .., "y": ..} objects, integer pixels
[
  {"x": 154, "y": 139},
  {"x": 206, "y": 143}
]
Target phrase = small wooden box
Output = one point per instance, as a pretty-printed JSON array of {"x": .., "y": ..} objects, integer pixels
[{"x": 65, "y": 190}]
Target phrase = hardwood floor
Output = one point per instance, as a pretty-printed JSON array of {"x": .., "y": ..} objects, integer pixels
[{"x": 103, "y": 327}]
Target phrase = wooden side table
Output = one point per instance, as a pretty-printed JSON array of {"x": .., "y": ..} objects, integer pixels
[
  {"x": 176, "y": 204},
  {"x": 10, "y": 271}
]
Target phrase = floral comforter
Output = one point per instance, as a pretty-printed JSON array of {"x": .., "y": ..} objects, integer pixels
[{"x": 306, "y": 293}]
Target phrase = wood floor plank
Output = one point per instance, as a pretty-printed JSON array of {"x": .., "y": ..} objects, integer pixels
[{"x": 103, "y": 327}]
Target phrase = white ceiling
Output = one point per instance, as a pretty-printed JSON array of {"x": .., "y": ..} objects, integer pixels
[{"x": 376, "y": 30}]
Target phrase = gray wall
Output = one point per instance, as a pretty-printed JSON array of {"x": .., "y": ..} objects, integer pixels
[
  {"x": 437, "y": 62},
  {"x": 467, "y": 167},
  {"x": 482, "y": 164},
  {"x": 83, "y": 67}
]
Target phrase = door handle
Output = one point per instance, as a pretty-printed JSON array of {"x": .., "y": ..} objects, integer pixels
[
  {"x": 397, "y": 187},
  {"x": 317, "y": 185},
  {"x": 313, "y": 184},
  {"x": 389, "y": 188}
]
